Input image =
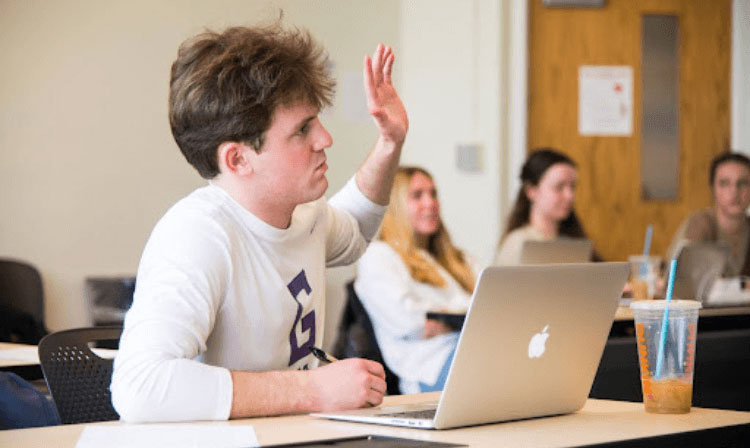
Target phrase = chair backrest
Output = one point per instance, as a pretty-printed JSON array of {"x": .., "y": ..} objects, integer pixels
[
  {"x": 698, "y": 265},
  {"x": 21, "y": 302},
  {"x": 77, "y": 378},
  {"x": 356, "y": 337}
]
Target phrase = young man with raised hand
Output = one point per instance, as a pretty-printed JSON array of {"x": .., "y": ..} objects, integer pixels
[{"x": 230, "y": 287}]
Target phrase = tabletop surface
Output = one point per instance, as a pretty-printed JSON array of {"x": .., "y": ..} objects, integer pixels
[
  {"x": 18, "y": 354},
  {"x": 598, "y": 422}
]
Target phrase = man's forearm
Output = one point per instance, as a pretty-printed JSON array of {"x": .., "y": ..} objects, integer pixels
[
  {"x": 270, "y": 393},
  {"x": 375, "y": 176},
  {"x": 348, "y": 384}
]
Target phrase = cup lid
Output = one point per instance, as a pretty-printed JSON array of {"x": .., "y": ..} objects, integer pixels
[{"x": 661, "y": 304}]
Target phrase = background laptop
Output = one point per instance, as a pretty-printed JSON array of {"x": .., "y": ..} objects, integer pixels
[
  {"x": 698, "y": 265},
  {"x": 497, "y": 373},
  {"x": 561, "y": 250}
]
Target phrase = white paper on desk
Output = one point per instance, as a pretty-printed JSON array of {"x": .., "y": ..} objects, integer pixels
[{"x": 167, "y": 435}]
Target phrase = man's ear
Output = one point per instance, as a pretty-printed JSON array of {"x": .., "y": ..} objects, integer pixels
[{"x": 234, "y": 157}]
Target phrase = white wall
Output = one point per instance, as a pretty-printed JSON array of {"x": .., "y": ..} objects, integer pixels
[
  {"x": 740, "y": 115},
  {"x": 87, "y": 161},
  {"x": 451, "y": 56}
]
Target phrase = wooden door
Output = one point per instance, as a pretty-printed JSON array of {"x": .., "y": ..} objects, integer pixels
[{"x": 608, "y": 198}]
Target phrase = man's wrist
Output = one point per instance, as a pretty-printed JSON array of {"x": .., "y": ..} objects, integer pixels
[
  {"x": 389, "y": 146},
  {"x": 308, "y": 391}
]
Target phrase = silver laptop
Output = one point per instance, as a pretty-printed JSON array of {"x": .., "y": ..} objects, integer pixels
[
  {"x": 529, "y": 347},
  {"x": 561, "y": 250}
]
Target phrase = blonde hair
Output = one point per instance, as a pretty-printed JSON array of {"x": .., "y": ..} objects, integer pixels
[{"x": 397, "y": 232}]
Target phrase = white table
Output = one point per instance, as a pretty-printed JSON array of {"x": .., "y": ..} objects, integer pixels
[{"x": 600, "y": 421}]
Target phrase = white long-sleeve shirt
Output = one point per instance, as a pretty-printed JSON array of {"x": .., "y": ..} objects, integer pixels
[
  {"x": 397, "y": 306},
  {"x": 509, "y": 253},
  {"x": 218, "y": 289}
]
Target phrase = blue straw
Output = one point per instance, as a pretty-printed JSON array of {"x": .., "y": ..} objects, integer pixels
[
  {"x": 647, "y": 243},
  {"x": 664, "y": 322},
  {"x": 646, "y": 249}
]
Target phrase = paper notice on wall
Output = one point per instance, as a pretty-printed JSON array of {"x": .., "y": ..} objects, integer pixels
[{"x": 605, "y": 100}]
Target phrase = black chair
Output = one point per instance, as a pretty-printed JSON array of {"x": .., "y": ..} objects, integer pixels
[
  {"x": 77, "y": 378},
  {"x": 21, "y": 303},
  {"x": 356, "y": 338}
]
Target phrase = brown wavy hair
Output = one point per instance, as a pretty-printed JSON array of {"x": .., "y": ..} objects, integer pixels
[
  {"x": 398, "y": 233},
  {"x": 226, "y": 87}
]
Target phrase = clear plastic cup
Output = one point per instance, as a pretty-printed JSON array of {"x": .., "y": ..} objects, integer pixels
[
  {"x": 670, "y": 390},
  {"x": 644, "y": 275}
]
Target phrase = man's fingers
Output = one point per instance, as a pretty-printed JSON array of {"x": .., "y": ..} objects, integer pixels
[
  {"x": 374, "y": 398},
  {"x": 375, "y": 368},
  {"x": 378, "y": 384},
  {"x": 387, "y": 53},
  {"x": 377, "y": 64},
  {"x": 387, "y": 69},
  {"x": 369, "y": 81}
]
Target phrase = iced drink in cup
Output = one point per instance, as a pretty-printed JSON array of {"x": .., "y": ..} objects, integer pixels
[
  {"x": 670, "y": 389},
  {"x": 644, "y": 273}
]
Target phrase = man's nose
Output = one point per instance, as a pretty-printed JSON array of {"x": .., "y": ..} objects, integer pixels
[{"x": 323, "y": 140}]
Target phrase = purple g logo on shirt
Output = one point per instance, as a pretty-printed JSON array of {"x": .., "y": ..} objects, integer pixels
[{"x": 307, "y": 322}]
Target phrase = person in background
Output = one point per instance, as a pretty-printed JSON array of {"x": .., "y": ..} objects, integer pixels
[
  {"x": 230, "y": 292},
  {"x": 726, "y": 222},
  {"x": 544, "y": 206},
  {"x": 412, "y": 268}
]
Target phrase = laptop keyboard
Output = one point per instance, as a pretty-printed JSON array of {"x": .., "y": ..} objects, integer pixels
[{"x": 427, "y": 414}]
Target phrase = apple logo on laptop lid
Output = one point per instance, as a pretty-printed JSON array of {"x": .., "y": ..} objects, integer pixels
[{"x": 538, "y": 343}]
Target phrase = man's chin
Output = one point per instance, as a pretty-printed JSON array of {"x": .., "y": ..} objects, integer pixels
[{"x": 319, "y": 190}]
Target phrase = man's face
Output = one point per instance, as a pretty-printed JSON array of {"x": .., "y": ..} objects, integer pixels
[
  {"x": 292, "y": 160},
  {"x": 731, "y": 189}
]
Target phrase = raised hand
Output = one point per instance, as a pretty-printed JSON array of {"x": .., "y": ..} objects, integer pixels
[{"x": 383, "y": 101}]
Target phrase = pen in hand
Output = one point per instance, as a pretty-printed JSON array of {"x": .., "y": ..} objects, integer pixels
[{"x": 322, "y": 355}]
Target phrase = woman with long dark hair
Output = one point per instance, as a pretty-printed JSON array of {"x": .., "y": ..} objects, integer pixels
[
  {"x": 726, "y": 222},
  {"x": 544, "y": 207}
]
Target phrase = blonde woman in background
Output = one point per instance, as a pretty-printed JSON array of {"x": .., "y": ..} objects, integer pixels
[{"x": 412, "y": 268}]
